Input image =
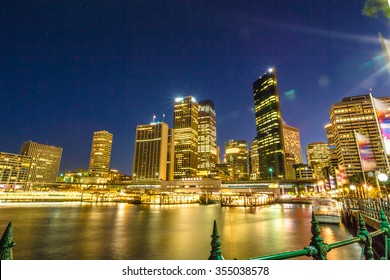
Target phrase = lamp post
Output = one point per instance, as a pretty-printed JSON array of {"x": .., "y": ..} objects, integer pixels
[
  {"x": 383, "y": 178},
  {"x": 352, "y": 188}
]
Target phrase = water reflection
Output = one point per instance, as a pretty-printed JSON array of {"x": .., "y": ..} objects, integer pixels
[{"x": 168, "y": 232}]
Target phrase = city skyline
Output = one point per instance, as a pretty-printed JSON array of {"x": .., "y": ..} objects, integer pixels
[{"x": 90, "y": 67}]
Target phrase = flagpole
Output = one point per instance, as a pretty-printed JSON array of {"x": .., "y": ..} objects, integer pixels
[
  {"x": 380, "y": 133},
  {"x": 360, "y": 161}
]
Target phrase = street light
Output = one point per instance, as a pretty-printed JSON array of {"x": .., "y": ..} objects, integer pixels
[
  {"x": 270, "y": 171},
  {"x": 383, "y": 178},
  {"x": 352, "y": 188}
]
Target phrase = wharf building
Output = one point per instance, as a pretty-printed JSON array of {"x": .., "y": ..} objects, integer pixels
[
  {"x": 153, "y": 152},
  {"x": 99, "y": 163},
  {"x": 356, "y": 113},
  {"x": 14, "y": 169},
  {"x": 45, "y": 161},
  {"x": 207, "y": 138},
  {"x": 236, "y": 154},
  {"x": 185, "y": 125},
  {"x": 269, "y": 127}
]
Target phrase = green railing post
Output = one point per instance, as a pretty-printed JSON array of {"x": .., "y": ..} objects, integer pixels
[
  {"x": 6, "y": 244},
  {"x": 317, "y": 249},
  {"x": 365, "y": 238},
  {"x": 216, "y": 252},
  {"x": 384, "y": 225}
]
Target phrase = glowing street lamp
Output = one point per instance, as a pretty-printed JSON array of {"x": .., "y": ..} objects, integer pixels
[
  {"x": 383, "y": 178},
  {"x": 352, "y": 188},
  {"x": 270, "y": 171}
]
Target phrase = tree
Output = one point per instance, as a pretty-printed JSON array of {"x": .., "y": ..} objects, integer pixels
[{"x": 373, "y": 8}]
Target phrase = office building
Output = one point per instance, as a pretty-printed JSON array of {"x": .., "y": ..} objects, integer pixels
[
  {"x": 318, "y": 158},
  {"x": 269, "y": 128},
  {"x": 207, "y": 138},
  {"x": 356, "y": 113},
  {"x": 99, "y": 163},
  {"x": 45, "y": 161},
  {"x": 334, "y": 162},
  {"x": 254, "y": 161},
  {"x": 185, "y": 124},
  {"x": 153, "y": 153},
  {"x": 303, "y": 171},
  {"x": 14, "y": 168},
  {"x": 292, "y": 142},
  {"x": 236, "y": 154},
  {"x": 292, "y": 148}
]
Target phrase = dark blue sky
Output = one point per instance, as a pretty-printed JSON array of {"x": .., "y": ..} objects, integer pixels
[{"x": 69, "y": 68}]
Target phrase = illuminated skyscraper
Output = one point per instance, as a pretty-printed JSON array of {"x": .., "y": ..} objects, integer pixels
[
  {"x": 236, "y": 154},
  {"x": 185, "y": 124},
  {"x": 207, "y": 138},
  {"x": 45, "y": 162},
  {"x": 269, "y": 129},
  {"x": 153, "y": 153},
  {"x": 99, "y": 163},
  {"x": 356, "y": 113}
]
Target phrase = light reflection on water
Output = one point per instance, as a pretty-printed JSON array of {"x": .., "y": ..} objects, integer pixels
[{"x": 124, "y": 231}]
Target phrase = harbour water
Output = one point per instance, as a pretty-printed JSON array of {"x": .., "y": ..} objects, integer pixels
[{"x": 120, "y": 231}]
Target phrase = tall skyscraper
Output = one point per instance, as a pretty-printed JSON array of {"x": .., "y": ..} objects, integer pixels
[
  {"x": 207, "y": 138},
  {"x": 236, "y": 154},
  {"x": 45, "y": 162},
  {"x": 99, "y": 163},
  {"x": 185, "y": 124},
  {"x": 269, "y": 129},
  {"x": 356, "y": 113},
  {"x": 153, "y": 153},
  {"x": 14, "y": 168},
  {"x": 318, "y": 157}
]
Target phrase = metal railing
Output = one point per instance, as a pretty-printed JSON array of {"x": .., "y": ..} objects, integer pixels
[
  {"x": 317, "y": 248},
  {"x": 6, "y": 243}
]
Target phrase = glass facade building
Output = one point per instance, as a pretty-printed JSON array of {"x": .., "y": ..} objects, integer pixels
[
  {"x": 269, "y": 128},
  {"x": 185, "y": 124},
  {"x": 207, "y": 137}
]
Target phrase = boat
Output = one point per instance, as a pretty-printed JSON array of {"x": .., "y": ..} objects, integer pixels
[{"x": 326, "y": 210}]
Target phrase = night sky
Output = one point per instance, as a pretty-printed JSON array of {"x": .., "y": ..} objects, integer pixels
[{"x": 69, "y": 68}]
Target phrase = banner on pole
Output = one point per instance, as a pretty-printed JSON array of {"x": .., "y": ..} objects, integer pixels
[
  {"x": 367, "y": 158},
  {"x": 382, "y": 111}
]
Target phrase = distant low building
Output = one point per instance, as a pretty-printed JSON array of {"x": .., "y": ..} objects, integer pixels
[{"x": 14, "y": 169}]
